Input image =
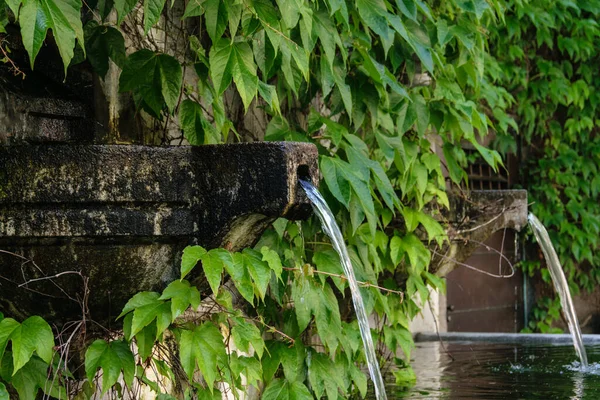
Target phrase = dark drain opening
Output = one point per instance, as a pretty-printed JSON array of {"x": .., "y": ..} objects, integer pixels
[{"x": 303, "y": 173}]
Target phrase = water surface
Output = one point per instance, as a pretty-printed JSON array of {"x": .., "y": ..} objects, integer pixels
[{"x": 500, "y": 371}]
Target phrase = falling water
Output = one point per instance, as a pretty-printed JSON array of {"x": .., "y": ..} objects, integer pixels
[
  {"x": 560, "y": 284},
  {"x": 333, "y": 231}
]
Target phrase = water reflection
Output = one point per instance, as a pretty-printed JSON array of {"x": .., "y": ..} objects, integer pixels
[
  {"x": 578, "y": 386},
  {"x": 500, "y": 371}
]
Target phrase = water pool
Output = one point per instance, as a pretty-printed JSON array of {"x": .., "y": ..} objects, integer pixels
[{"x": 484, "y": 370}]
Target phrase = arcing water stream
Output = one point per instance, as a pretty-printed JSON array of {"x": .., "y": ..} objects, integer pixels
[
  {"x": 560, "y": 284},
  {"x": 333, "y": 231}
]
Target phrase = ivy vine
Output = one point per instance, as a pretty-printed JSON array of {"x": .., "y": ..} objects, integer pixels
[
  {"x": 383, "y": 89},
  {"x": 545, "y": 58}
]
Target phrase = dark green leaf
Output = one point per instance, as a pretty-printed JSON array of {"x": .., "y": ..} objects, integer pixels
[
  {"x": 408, "y": 8},
  {"x": 155, "y": 77},
  {"x": 101, "y": 43},
  {"x": 192, "y": 122},
  {"x": 34, "y": 376},
  {"x": 62, "y": 16}
]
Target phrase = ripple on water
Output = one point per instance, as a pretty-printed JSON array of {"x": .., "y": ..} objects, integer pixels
[{"x": 500, "y": 371}]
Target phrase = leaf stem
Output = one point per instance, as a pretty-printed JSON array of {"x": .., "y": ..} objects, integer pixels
[{"x": 364, "y": 284}]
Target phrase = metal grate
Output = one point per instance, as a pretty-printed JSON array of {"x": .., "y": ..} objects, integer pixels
[{"x": 482, "y": 176}]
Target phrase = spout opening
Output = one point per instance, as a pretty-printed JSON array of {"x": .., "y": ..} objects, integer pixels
[{"x": 303, "y": 173}]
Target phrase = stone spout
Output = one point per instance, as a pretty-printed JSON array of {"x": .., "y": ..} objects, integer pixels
[
  {"x": 473, "y": 217},
  {"x": 84, "y": 227}
]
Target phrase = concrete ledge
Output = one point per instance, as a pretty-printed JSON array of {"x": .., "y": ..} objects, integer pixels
[
  {"x": 473, "y": 217},
  {"x": 516, "y": 338},
  {"x": 120, "y": 215}
]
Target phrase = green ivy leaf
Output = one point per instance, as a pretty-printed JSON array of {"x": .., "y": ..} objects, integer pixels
[
  {"x": 359, "y": 379},
  {"x": 7, "y": 327},
  {"x": 194, "y": 8},
  {"x": 216, "y": 18},
  {"x": 273, "y": 260},
  {"x": 434, "y": 230},
  {"x": 192, "y": 122},
  {"x": 62, "y": 16},
  {"x": 290, "y": 12},
  {"x": 398, "y": 336},
  {"x": 281, "y": 389},
  {"x": 139, "y": 300},
  {"x": 411, "y": 218},
  {"x": 14, "y": 6},
  {"x": 189, "y": 259},
  {"x": 152, "y": 11},
  {"x": 34, "y": 334},
  {"x": 154, "y": 77},
  {"x": 241, "y": 278},
  {"x": 259, "y": 270},
  {"x": 374, "y": 13},
  {"x": 419, "y": 107},
  {"x": 456, "y": 172},
  {"x": 333, "y": 173},
  {"x": 269, "y": 95},
  {"x": 112, "y": 358},
  {"x": 249, "y": 366},
  {"x": 201, "y": 347},
  {"x": 305, "y": 301},
  {"x": 327, "y": 318},
  {"x": 396, "y": 250},
  {"x": 4, "y": 393},
  {"x": 144, "y": 315},
  {"x": 213, "y": 264},
  {"x": 329, "y": 261},
  {"x": 124, "y": 7},
  {"x": 418, "y": 254},
  {"x": 34, "y": 376},
  {"x": 408, "y": 8},
  {"x": 145, "y": 341},
  {"x": 324, "y": 376},
  {"x": 182, "y": 296},
  {"x": 101, "y": 43},
  {"x": 234, "y": 13},
  {"x": 245, "y": 333},
  {"x": 234, "y": 61}
]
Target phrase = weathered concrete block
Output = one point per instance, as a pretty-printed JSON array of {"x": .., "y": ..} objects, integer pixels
[
  {"x": 473, "y": 217},
  {"x": 121, "y": 215}
]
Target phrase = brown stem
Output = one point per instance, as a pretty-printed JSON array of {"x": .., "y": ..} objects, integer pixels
[{"x": 365, "y": 284}]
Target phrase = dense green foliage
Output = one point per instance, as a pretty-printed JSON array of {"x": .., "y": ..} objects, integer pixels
[
  {"x": 546, "y": 56},
  {"x": 383, "y": 89}
]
